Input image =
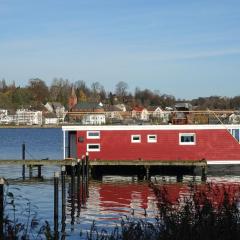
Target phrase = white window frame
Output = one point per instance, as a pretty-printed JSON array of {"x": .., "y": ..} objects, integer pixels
[
  {"x": 187, "y": 134},
  {"x": 150, "y": 140},
  {"x": 135, "y": 141},
  {"x": 93, "y": 149},
  {"x": 93, "y": 137}
]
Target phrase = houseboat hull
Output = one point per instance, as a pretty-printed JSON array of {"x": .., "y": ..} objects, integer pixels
[{"x": 216, "y": 144}]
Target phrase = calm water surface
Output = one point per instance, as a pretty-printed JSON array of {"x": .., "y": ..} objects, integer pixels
[{"x": 108, "y": 199}]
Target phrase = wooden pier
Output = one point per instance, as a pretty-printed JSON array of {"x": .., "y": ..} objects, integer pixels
[
  {"x": 92, "y": 163},
  {"x": 99, "y": 167}
]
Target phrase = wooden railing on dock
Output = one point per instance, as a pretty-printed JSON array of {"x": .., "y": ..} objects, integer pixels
[{"x": 38, "y": 162}]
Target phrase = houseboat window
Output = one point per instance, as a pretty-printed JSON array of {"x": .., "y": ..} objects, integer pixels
[
  {"x": 187, "y": 138},
  {"x": 136, "y": 138},
  {"x": 152, "y": 138},
  {"x": 93, "y": 134},
  {"x": 235, "y": 133},
  {"x": 93, "y": 147}
]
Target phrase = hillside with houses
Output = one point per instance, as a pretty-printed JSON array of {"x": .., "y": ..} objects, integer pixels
[{"x": 76, "y": 103}]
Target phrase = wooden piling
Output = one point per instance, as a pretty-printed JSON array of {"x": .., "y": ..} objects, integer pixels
[
  {"x": 63, "y": 180},
  {"x": 30, "y": 171},
  {"x": 83, "y": 179},
  {"x": 87, "y": 174},
  {"x": 179, "y": 177},
  {"x": 23, "y": 158},
  {"x": 78, "y": 185},
  {"x": 204, "y": 174},
  {"x": 39, "y": 171},
  {"x": 147, "y": 173},
  {"x": 1, "y": 207},
  {"x": 72, "y": 195},
  {"x": 72, "y": 178},
  {"x": 56, "y": 180}
]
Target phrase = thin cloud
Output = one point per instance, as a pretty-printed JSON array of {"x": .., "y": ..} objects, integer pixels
[{"x": 164, "y": 56}]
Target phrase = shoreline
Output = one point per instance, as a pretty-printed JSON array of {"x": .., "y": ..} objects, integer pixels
[{"x": 30, "y": 126}]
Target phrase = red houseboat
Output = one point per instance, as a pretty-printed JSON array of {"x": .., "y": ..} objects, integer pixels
[{"x": 217, "y": 144}]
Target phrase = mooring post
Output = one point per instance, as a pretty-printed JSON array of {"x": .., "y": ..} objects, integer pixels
[
  {"x": 147, "y": 173},
  {"x": 1, "y": 207},
  {"x": 72, "y": 195},
  {"x": 83, "y": 179},
  {"x": 83, "y": 167},
  {"x": 87, "y": 172},
  {"x": 179, "y": 177},
  {"x": 39, "y": 171},
  {"x": 72, "y": 178},
  {"x": 56, "y": 180},
  {"x": 30, "y": 171},
  {"x": 204, "y": 174},
  {"x": 23, "y": 158},
  {"x": 63, "y": 173},
  {"x": 78, "y": 183}
]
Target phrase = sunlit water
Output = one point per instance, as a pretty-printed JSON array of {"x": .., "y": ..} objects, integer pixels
[{"x": 108, "y": 200}]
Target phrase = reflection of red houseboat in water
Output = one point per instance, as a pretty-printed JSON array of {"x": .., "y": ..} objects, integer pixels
[
  {"x": 217, "y": 144},
  {"x": 121, "y": 198}
]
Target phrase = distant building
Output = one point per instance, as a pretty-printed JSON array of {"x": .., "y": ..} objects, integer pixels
[
  {"x": 234, "y": 118},
  {"x": 94, "y": 119},
  {"x": 140, "y": 113},
  {"x": 158, "y": 114},
  {"x": 114, "y": 111},
  {"x": 80, "y": 109},
  {"x": 87, "y": 107},
  {"x": 56, "y": 108},
  {"x": 51, "y": 119},
  {"x": 24, "y": 116},
  {"x": 182, "y": 114},
  {"x": 3, "y": 113}
]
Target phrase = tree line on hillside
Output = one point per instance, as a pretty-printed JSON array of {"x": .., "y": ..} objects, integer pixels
[{"x": 36, "y": 93}]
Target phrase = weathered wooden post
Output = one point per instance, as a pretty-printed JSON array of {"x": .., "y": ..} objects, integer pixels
[
  {"x": 78, "y": 183},
  {"x": 23, "y": 158},
  {"x": 56, "y": 180},
  {"x": 83, "y": 179},
  {"x": 72, "y": 193},
  {"x": 72, "y": 178},
  {"x": 87, "y": 165},
  {"x": 63, "y": 173},
  {"x": 39, "y": 171},
  {"x": 1, "y": 207},
  {"x": 147, "y": 173},
  {"x": 87, "y": 173},
  {"x": 83, "y": 167},
  {"x": 30, "y": 171},
  {"x": 179, "y": 177},
  {"x": 204, "y": 174}
]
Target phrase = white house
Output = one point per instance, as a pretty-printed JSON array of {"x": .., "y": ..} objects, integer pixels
[
  {"x": 234, "y": 118},
  {"x": 57, "y": 108},
  {"x": 140, "y": 113},
  {"x": 158, "y": 113},
  {"x": 51, "y": 120},
  {"x": 94, "y": 119},
  {"x": 24, "y": 116}
]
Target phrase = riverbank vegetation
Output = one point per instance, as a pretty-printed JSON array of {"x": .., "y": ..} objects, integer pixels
[
  {"x": 207, "y": 212},
  {"x": 37, "y": 92},
  {"x": 20, "y": 220}
]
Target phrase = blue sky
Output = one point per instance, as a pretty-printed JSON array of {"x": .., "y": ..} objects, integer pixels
[{"x": 185, "y": 48}]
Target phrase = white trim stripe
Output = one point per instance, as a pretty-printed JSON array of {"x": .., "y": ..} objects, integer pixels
[
  {"x": 223, "y": 162},
  {"x": 149, "y": 127}
]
